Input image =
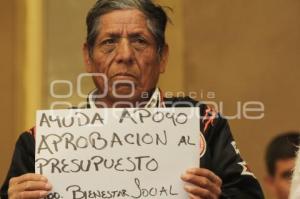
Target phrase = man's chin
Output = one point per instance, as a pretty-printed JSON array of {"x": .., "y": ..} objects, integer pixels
[{"x": 125, "y": 95}]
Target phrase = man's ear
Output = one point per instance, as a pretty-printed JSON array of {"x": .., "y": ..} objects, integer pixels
[
  {"x": 269, "y": 182},
  {"x": 87, "y": 58},
  {"x": 164, "y": 59}
]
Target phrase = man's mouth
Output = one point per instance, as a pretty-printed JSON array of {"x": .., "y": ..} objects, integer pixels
[{"x": 123, "y": 76}]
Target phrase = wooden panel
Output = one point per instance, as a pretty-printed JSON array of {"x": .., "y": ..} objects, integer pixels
[
  {"x": 247, "y": 51},
  {"x": 6, "y": 86}
]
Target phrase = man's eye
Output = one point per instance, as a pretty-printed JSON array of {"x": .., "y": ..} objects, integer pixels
[
  {"x": 139, "y": 43},
  {"x": 108, "y": 42},
  {"x": 287, "y": 175},
  {"x": 108, "y": 45},
  {"x": 141, "y": 40}
]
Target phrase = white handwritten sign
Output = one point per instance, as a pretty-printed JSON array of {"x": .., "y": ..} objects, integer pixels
[{"x": 117, "y": 153}]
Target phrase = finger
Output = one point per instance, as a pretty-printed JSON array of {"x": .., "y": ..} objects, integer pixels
[
  {"x": 27, "y": 177},
  {"x": 192, "y": 196},
  {"x": 29, "y": 186},
  {"x": 32, "y": 194},
  {"x": 207, "y": 173},
  {"x": 33, "y": 185},
  {"x": 202, "y": 182},
  {"x": 198, "y": 192}
]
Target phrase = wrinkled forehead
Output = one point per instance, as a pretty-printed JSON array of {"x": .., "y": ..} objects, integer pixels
[{"x": 126, "y": 17}]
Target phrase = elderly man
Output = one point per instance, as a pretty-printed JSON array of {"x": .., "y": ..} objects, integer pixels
[{"x": 126, "y": 45}]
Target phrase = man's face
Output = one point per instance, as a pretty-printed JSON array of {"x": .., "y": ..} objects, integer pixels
[
  {"x": 281, "y": 181},
  {"x": 126, "y": 52}
]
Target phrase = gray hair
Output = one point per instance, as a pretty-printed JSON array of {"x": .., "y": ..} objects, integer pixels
[{"x": 156, "y": 19}]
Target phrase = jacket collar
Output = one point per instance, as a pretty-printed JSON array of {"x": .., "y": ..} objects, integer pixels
[{"x": 155, "y": 101}]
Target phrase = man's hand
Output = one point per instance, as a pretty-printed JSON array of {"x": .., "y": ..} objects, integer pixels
[
  {"x": 28, "y": 186},
  {"x": 204, "y": 184}
]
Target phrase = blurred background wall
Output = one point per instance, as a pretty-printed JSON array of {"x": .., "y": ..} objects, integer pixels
[
  {"x": 7, "y": 86},
  {"x": 237, "y": 50}
]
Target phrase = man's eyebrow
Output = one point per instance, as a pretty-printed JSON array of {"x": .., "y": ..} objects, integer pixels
[
  {"x": 135, "y": 34},
  {"x": 112, "y": 35}
]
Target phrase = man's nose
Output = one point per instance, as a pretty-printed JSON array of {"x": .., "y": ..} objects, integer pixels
[{"x": 124, "y": 52}]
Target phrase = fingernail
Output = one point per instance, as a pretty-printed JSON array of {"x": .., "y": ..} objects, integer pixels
[
  {"x": 43, "y": 193},
  {"x": 187, "y": 187},
  {"x": 183, "y": 177},
  {"x": 48, "y": 186},
  {"x": 191, "y": 196},
  {"x": 191, "y": 170},
  {"x": 43, "y": 178}
]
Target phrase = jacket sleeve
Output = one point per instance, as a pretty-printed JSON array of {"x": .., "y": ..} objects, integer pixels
[
  {"x": 22, "y": 160},
  {"x": 226, "y": 162}
]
